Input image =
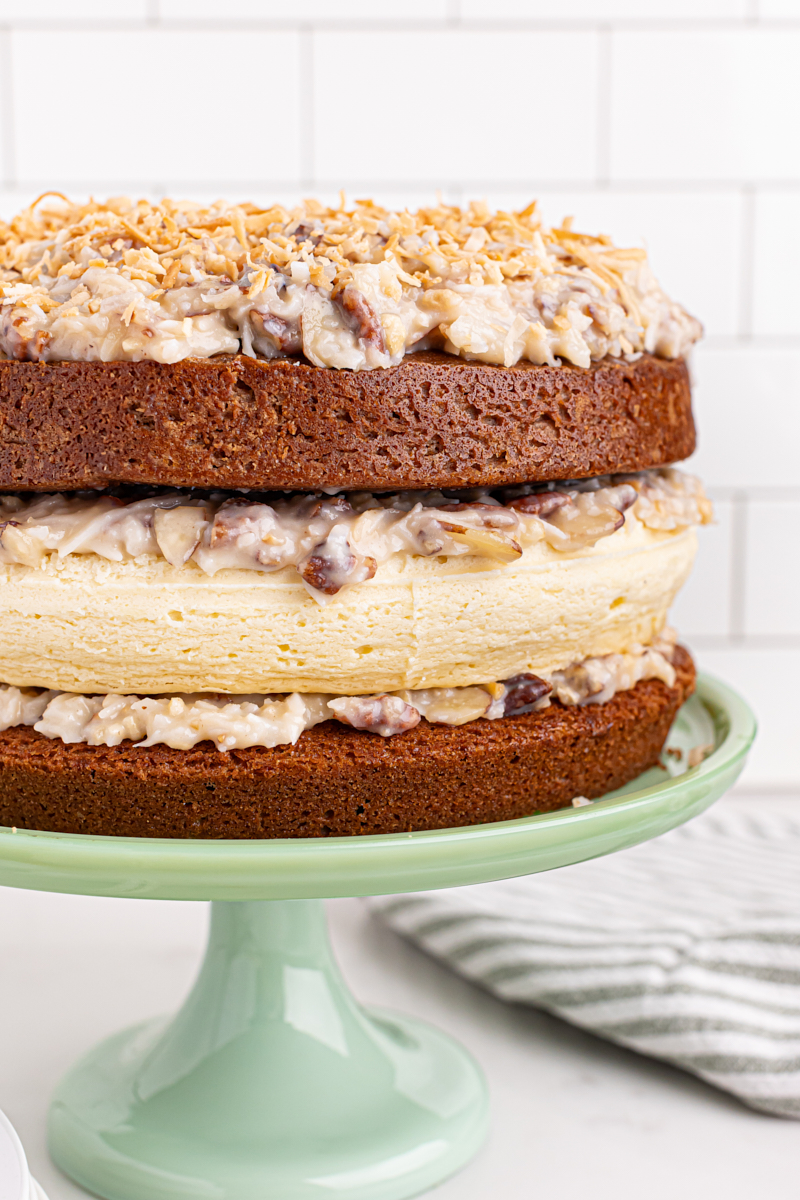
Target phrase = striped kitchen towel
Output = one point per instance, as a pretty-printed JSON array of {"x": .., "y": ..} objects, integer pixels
[{"x": 686, "y": 948}]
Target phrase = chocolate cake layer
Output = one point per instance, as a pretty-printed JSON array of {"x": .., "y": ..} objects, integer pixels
[
  {"x": 432, "y": 421},
  {"x": 339, "y": 781}
]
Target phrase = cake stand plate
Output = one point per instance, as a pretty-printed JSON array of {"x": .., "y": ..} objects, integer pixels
[{"x": 272, "y": 1081}]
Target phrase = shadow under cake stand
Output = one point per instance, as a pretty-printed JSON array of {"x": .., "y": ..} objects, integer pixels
[{"x": 272, "y": 1081}]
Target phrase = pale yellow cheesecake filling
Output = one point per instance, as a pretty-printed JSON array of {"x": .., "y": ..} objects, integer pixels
[{"x": 84, "y": 624}]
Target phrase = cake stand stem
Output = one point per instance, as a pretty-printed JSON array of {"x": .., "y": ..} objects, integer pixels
[{"x": 271, "y": 1081}]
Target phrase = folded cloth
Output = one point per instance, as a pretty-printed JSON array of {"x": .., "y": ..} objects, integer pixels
[{"x": 686, "y": 948}]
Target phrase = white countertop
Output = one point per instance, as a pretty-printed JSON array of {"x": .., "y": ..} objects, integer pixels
[{"x": 573, "y": 1116}]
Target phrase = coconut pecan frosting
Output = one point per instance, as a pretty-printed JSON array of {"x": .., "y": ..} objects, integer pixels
[{"x": 354, "y": 288}]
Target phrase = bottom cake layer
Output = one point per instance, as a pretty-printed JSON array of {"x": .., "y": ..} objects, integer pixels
[{"x": 337, "y": 781}]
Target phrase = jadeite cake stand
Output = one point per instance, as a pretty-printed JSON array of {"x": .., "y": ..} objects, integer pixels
[{"x": 272, "y": 1083}]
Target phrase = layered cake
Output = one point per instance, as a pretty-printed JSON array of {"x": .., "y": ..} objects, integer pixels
[{"x": 332, "y": 521}]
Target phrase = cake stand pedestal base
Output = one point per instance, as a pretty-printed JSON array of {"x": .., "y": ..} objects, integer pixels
[{"x": 270, "y": 1082}]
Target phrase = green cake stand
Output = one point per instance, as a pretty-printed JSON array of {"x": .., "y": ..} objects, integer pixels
[{"x": 272, "y": 1082}]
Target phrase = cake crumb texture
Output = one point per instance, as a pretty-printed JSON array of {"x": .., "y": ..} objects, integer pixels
[{"x": 432, "y": 421}]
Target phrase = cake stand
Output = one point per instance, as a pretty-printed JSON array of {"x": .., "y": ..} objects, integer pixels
[{"x": 271, "y": 1081}]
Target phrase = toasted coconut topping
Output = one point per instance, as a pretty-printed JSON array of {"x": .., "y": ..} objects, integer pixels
[{"x": 350, "y": 288}]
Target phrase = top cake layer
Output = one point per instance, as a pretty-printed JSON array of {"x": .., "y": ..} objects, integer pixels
[
  {"x": 434, "y": 421},
  {"x": 354, "y": 289}
]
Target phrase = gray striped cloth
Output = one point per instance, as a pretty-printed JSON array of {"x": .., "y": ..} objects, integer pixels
[{"x": 686, "y": 948}]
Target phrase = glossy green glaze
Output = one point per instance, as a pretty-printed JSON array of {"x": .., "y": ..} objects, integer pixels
[
  {"x": 304, "y": 868},
  {"x": 271, "y": 1081}
]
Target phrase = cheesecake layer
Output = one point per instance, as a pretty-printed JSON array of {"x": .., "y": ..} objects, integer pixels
[{"x": 83, "y": 624}]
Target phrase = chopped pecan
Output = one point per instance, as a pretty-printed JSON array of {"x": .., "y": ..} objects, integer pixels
[
  {"x": 361, "y": 317},
  {"x": 385, "y": 714},
  {"x": 329, "y": 566},
  {"x": 285, "y": 338},
  {"x": 593, "y": 515},
  {"x": 24, "y": 346},
  {"x": 239, "y": 518},
  {"x": 493, "y": 515},
  {"x": 698, "y": 753},
  {"x": 522, "y": 690},
  {"x": 305, "y": 232},
  {"x": 430, "y": 538},
  {"x": 540, "y": 504},
  {"x": 367, "y": 570}
]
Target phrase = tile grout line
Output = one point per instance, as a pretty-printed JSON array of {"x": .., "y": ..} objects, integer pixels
[
  {"x": 587, "y": 187},
  {"x": 452, "y": 14},
  {"x": 756, "y": 642},
  {"x": 605, "y": 66},
  {"x": 738, "y": 573},
  {"x": 9, "y": 158},
  {"x": 306, "y": 74},
  {"x": 747, "y": 272}
]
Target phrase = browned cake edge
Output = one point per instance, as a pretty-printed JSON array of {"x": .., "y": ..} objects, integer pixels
[
  {"x": 432, "y": 421},
  {"x": 338, "y": 781}
]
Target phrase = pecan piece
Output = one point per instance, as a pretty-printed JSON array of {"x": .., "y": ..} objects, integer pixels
[
  {"x": 361, "y": 317},
  {"x": 321, "y": 573},
  {"x": 305, "y": 232},
  {"x": 241, "y": 524},
  {"x": 592, "y": 515},
  {"x": 384, "y": 714},
  {"x": 495, "y": 516},
  {"x": 283, "y": 337},
  {"x": 330, "y": 565},
  {"x": 522, "y": 690},
  {"x": 540, "y": 504},
  {"x": 24, "y": 346}
]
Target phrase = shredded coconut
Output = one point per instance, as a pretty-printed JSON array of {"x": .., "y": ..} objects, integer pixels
[
  {"x": 236, "y": 722},
  {"x": 351, "y": 288},
  {"x": 337, "y": 541}
]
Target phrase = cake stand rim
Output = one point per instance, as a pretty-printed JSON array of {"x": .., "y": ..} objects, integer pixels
[{"x": 372, "y": 864}]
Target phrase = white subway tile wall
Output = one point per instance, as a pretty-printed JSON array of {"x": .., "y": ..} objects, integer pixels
[
  {"x": 32, "y": 12},
  {"x": 437, "y": 105},
  {"x": 286, "y": 11},
  {"x": 776, "y": 263},
  {"x": 669, "y": 123},
  {"x": 772, "y": 535}
]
